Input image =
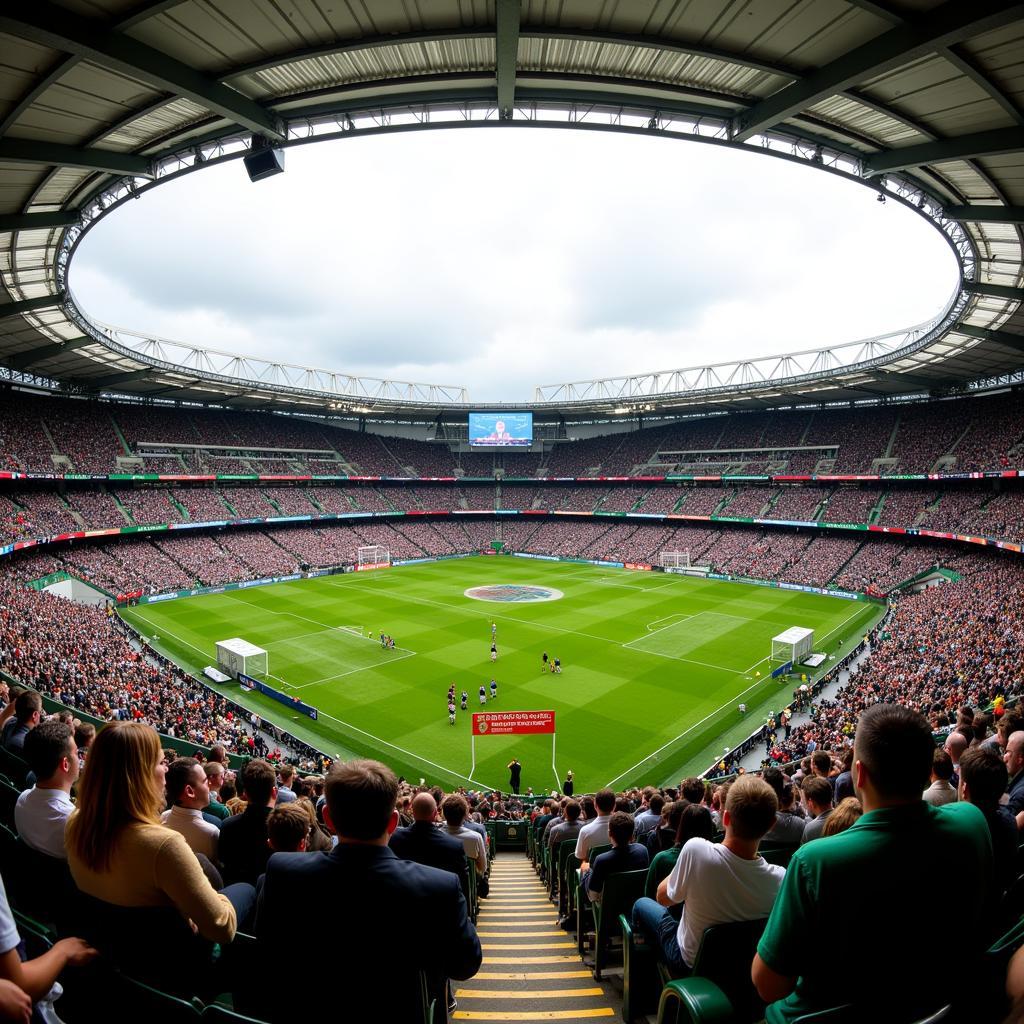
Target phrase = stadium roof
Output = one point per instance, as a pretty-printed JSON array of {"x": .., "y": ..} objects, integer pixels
[{"x": 923, "y": 101}]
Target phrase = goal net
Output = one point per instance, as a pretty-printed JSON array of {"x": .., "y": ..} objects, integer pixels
[
  {"x": 795, "y": 644},
  {"x": 675, "y": 559},
  {"x": 237, "y": 655},
  {"x": 372, "y": 556}
]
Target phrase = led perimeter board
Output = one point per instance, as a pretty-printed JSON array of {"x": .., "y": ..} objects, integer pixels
[{"x": 501, "y": 430}]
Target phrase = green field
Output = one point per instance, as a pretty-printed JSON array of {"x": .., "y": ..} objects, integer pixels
[{"x": 654, "y": 665}]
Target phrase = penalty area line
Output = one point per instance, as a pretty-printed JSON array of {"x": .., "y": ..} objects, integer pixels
[{"x": 727, "y": 704}]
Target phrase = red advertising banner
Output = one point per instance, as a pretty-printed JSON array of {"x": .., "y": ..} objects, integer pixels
[{"x": 513, "y": 723}]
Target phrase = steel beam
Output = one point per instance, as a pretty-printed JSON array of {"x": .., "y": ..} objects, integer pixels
[
  {"x": 1014, "y": 341},
  {"x": 39, "y": 221},
  {"x": 507, "y": 53},
  {"x": 22, "y": 360},
  {"x": 27, "y": 151},
  {"x": 60, "y": 29},
  {"x": 30, "y": 305},
  {"x": 996, "y": 291},
  {"x": 124, "y": 377},
  {"x": 953, "y": 22},
  {"x": 986, "y": 214},
  {"x": 961, "y": 147}
]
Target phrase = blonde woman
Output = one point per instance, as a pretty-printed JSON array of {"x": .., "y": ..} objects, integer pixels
[{"x": 120, "y": 855}]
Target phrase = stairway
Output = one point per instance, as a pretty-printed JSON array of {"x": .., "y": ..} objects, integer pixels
[{"x": 531, "y": 970}]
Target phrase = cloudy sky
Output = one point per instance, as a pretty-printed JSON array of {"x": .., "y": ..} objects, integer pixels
[{"x": 501, "y": 260}]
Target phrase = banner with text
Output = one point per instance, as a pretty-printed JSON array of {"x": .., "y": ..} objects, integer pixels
[{"x": 513, "y": 723}]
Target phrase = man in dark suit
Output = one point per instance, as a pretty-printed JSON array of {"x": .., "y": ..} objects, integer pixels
[
  {"x": 424, "y": 842},
  {"x": 375, "y": 919},
  {"x": 242, "y": 846}
]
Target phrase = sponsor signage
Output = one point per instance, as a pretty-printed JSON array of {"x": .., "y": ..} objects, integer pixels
[{"x": 513, "y": 723}]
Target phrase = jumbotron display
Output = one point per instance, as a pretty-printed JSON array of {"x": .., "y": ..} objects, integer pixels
[{"x": 501, "y": 430}]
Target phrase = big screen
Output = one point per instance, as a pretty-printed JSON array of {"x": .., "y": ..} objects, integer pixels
[{"x": 501, "y": 429}]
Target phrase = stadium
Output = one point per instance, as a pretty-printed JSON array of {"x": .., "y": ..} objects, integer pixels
[{"x": 706, "y": 634}]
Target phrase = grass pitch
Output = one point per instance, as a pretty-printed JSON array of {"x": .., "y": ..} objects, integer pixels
[{"x": 654, "y": 665}]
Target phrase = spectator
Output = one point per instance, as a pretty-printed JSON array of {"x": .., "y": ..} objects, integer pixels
[
  {"x": 941, "y": 791},
  {"x": 895, "y": 858},
  {"x": 647, "y": 820},
  {"x": 120, "y": 854},
  {"x": 243, "y": 837},
  {"x": 595, "y": 833},
  {"x": 426, "y": 844},
  {"x": 818, "y": 797},
  {"x": 567, "y": 829},
  {"x": 42, "y": 811},
  {"x": 33, "y": 979},
  {"x": 288, "y": 828},
  {"x": 455, "y": 811},
  {"x": 28, "y": 712},
  {"x": 189, "y": 792},
  {"x": 215, "y": 777},
  {"x": 846, "y": 812},
  {"x": 625, "y": 855},
  {"x": 285, "y": 793},
  {"x": 788, "y": 829},
  {"x": 982, "y": 782},
  {"x": 85, "y": 733},
  {"x": 716, "y": 882},
  {"x": 1014, "y": 758},
  {"x": 415, "y": 912}
]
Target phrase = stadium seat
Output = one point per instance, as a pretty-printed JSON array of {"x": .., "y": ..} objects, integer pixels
[
  {"x": 39, "y": 885},
  {"x": 165, "y": 963},
  {"x": 722, "y": 962},
  {"x": 621, "y": 891},
  {"x": 779, "y": 854},
  {"x": 565, "y": 848},
  {"x": 660, "y": 868},
  {"x": 566, "y": 888},
  {"x": 9, "y": 794},
  {"x": 584, "y": 917},
  {"x": 14, "y": 768},
  {"x": 510, "y": 835}
]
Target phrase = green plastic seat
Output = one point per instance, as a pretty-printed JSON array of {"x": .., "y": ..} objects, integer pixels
[
  {"x": 660, "y": 868},
  {"x": 584, "y": 915},
  {"x": 621, "y": 890}
]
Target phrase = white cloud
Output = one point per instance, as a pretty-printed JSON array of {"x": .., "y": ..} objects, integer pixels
[{"x": 501, "y": 260}]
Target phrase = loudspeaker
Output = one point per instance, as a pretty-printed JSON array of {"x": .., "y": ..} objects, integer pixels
[{"x": 263, "y": 163}]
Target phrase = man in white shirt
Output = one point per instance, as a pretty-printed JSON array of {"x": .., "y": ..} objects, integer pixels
[
  {"x": 189, "y": 791},
  {"x": 719, "y": 882},
  {"x": 595, "y": 833},
  {"x": 41, "y": 812},
  {"x": 455, "y": 811}
]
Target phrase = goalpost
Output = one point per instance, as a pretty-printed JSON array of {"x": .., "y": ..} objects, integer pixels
[
  {"x": 793, "y": 646},
  {"x": 372, "y": 556},
  {"x": 675, "y": 559},
  {"x": 238, "y": 655}
]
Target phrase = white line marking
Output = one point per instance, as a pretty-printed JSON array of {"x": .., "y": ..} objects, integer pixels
[
  {"x": 758, "y": 682},
  {"x": 315, "y": 622},
  {"x": 351, "y": 671},
  {"x": 323, "y": 714}
]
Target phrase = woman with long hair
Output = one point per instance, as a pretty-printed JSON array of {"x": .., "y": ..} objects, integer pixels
[{"x": 121, "y": 855}]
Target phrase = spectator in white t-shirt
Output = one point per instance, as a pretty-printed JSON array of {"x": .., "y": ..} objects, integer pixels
[
  {"x": 595, "y": 833},
  {"x": 719, "y": 882},
  {"x": 42, "y": 811}
]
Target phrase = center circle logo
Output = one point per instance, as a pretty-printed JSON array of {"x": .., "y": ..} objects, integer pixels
[{"x": 513, "y": 592}]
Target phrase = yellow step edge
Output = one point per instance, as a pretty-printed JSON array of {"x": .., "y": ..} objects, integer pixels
[
  {"x": 529, "y": 975},
  {"x": 528, "y": 945},
  {"x": 520, "y": 935},
  {"x": 520, "y": 960},
  {"x": 537, "y": 993},
  {"x": 602, "y": 1011}
]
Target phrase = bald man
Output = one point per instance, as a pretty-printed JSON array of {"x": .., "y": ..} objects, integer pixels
[
  {"x": 425, "y": 842},
  {"x": 956, "y": 743},
  {"x": 1014, "y": 759}
]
